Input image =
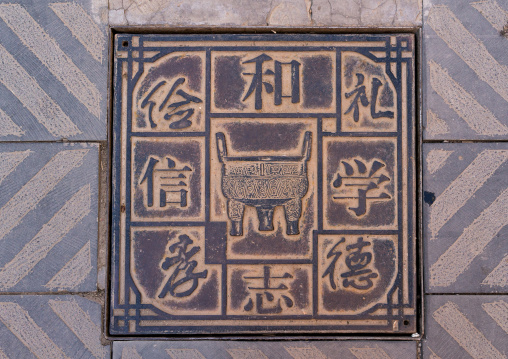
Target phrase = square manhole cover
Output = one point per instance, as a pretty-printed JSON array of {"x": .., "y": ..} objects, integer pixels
[{"x": 263, "y": 184}]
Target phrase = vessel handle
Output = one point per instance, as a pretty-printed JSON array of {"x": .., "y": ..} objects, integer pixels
[
  {"x": 221, "y": 146},
  {"x": 307, "y": 145}
]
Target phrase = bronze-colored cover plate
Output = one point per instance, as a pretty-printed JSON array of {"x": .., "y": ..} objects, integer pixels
[{"x": 263, "y": 184}]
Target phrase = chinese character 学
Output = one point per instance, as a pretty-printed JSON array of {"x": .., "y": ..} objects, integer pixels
[
  {"x": 365, "y": 185},
  {"x": 259, "y": 82},
  {"x": 181, "y": 269},
  {"x": 269, "y": 292},
  {"x": 360, "y": 97},
  {"x": 166, "y": 180},
  {"x": 177, "y": 106},
  {"x": 357, "y": 261}
]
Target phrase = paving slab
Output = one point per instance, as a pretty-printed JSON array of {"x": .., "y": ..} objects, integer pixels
[
  {"x": 268, "y": 349},
  {"x": 54, "y": 70},
  {"x": 368, "y": 13},
  {"x": 50, "y": 326},
  {"x": 465, "y": 69},
  {"x": 48, "y": 217},
  {"x": 465, "y": 217},
  {"x": 466, "y": 326},
  {"x": 374, "y": 13},
  {"x": 263, "y": 186}
]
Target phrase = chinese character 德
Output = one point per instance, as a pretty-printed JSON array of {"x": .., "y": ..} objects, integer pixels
[
  {"x": 265, "y": 291},
  {"x": 360, "y": 183},
  {"x": 361, "y": 97},
  {"x": 181, "y": 269},
  {"x": 358, "y": 276},
  {"x": 177, "y": 109},
  {"x": 357, "y": 261},
  {"x": 258, "y": 82},
  {"x": 335, "y": 253}
]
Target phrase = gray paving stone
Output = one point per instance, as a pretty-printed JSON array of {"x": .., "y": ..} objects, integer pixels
[
  {"x": 49, "y": 326},
  {"x": 466, "y": 69},
  {"x": 53, "y": 73},
  {"x": 48, "y": 217},
  {"x": 264, "y": 350},
  {"x": 465, "y": 217},
  {"x": 367, "y": 13},
  {"x": 272, "y": 13},
  {"x": 466, "y": 326},
  {"x": 201, "y": 12}
]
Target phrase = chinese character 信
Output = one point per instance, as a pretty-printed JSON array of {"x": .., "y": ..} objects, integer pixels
[
  {"x": 178, "y": 109},
  {"x": 266, "y": 291},
  {"x": 166, "y": 180},
  {"x": 361, "y": 97},
  {"x": 358, "y": 184},
  {"x": 258, "y": 81},
  {"x": 181, "y": 269}
]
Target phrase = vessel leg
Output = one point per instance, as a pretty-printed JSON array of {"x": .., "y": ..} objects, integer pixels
[
  {"x": 293, "y": 211},
  {"x": 235, "y": 214},
  {"x": 265, "y": 216}
]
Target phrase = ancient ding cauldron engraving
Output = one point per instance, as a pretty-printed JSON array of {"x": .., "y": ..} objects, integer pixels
[{"x": 264, "y": 182}]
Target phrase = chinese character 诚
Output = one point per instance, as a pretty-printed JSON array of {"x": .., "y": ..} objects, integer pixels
[{"x": 181, "y": 269}]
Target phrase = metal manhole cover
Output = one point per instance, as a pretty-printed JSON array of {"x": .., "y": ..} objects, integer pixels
[{"x": 263, "y": 184}]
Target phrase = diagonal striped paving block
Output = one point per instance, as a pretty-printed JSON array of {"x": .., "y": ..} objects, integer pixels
[
  {"x": 465, "y": 69},
  {"x": 48, "y": 217},
  {"x": 53, "y": 70},
  {"x": 465, "y": 217},
  {"x": 58, "y": 327},
  {"x": 264, "y": 349},
  {"x": 466, "y": 326}
]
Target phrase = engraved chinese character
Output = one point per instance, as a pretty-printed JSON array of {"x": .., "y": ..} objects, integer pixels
[
  {"x": 335, "y": 254},
  {"x": 361, "y": 184},
  {"x": 265, "y": 294},
  {"x": 181, "y": 269},
  {"x": 358, "y": 276},
  {"x": 258, "y": 81},
  {"x": 177, "y": 105},
  {"x": 166, "y": 180},
  {"x": 361, "y": 98},
  {"x": 357, "y": 261}
]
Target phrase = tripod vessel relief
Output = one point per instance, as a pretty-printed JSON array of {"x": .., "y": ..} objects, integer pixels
[{"x": 264, "y": 182}]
